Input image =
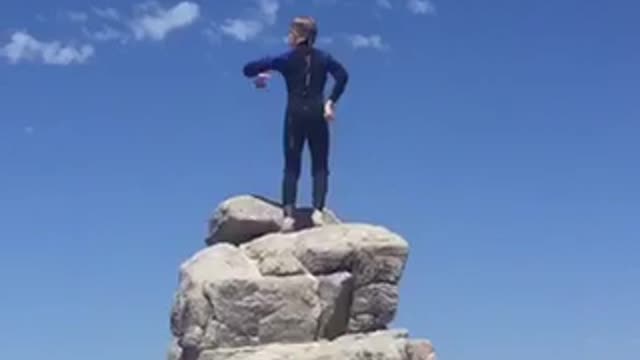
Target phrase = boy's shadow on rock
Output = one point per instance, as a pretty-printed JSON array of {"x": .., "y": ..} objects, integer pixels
[{"x": 301, "y": 216}]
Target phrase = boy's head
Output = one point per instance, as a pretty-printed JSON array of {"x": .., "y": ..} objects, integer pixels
[{"x": 303, "y": 30}]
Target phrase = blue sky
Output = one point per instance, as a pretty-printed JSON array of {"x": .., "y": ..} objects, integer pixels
[{"x": 500, "y": 138}]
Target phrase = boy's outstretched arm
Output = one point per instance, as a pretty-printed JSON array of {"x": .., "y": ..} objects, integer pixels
[
  {"x": 341, "y": 76},
  {"x": 267, "y": 63}
]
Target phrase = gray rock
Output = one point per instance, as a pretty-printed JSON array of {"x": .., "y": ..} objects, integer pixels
[
  {"x": 221, "y": 261},
  {"x": 243, "y": 218},
  {"x": 379, "y": 263},
  {"x": 374, "y": 306},
  {"x": 420, "y": 350},
  {"x": 175, "y": 350},
  {"x": 371, "y": 253},
  {"x": 335, "y": 292},
  {"x": 191, "y": 311},
  {"x": 265, "y": 310},
  {"x": 384, "y": 334},
  {"x": 284, "y": 264},
  {"x": 274, "y": 256},
  {"x": 327, "y": 291},
  {"x": 378, "y": 346},
  {"x": 327, "y": 249},
  {"x": 374, "y": 256}
]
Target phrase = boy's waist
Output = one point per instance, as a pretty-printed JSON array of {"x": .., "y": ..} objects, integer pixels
[
  {"x": 305, "y": 98},
  {"x": 299, "y": 106}
]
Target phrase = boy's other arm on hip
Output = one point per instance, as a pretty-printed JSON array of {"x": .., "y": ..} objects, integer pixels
[{"x": 341, "y": 77}]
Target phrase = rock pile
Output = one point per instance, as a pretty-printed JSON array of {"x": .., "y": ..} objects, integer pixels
[{"x": 317, "y": 293}]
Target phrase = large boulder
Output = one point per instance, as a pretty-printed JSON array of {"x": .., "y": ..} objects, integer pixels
[
  {"x": 192, "y": 311},
  {"x": 257, "y": 293}
]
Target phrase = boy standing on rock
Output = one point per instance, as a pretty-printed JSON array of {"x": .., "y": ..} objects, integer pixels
[{"x": 305, "y": 69}]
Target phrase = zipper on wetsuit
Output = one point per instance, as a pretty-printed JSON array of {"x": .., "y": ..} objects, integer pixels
[
  {"x": 307, "y": 76},
  {"x": 307, "y": 81}
]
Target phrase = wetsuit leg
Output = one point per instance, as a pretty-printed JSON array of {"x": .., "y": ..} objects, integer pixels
[
  {"x": 319, "y": 146},
  {"x": 293, "y": 144}
]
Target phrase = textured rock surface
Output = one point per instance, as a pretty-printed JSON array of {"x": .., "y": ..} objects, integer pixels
[
  {"x": 335, "y": 293},
  {"x": 263, "y": 310},
  {"x": 379, "y": 346},
  {"x": 373, "y": 255},
  {"x": 255, "y": 293},
  {"x": 242, "y": 218}
]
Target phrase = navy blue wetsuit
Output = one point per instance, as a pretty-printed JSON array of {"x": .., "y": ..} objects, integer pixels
[{"x": 305, "y": 70}]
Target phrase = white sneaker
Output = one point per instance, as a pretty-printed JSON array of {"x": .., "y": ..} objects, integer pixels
[
  {"x": 317, "y": 217},
  {"x": 287, "y": 224}
]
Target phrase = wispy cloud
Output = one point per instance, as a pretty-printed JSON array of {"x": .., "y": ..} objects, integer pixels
[
  {"x": 418, "y": 7},
  {"x": 359, "y": 41},
  {"x": 152, "y": 20},
  {"x": 269, "y": 10},
  {"x": 107, "y": 13},
  {"x": 384, "y": 4},
  {"x": 24, "y": 47},
  {"x": 325, "y": 40},
  {"x": 107, "y": 33},
  {"x": 248, "y": 28},
  {"x": 242, "y": 29},
  {"x": 213, "y": 33},
  {"x": 156, "y": 23},
  {"x": 77, "y": 16},
  {"x": 421, "y": 7}
]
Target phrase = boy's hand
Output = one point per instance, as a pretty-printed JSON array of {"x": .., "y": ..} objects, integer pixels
[
  {"x": 329, "y": 111},
  {"x": 261, "y": 80}
]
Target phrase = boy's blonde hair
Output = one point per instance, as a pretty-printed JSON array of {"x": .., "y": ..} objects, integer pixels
[{"x": 304, "y": 29}]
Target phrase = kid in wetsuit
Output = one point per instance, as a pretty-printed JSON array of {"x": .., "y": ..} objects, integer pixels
[{"x": 305, "y": 70}]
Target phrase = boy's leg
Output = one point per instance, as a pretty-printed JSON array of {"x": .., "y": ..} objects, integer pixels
[
  {"x": 293, "y": 145},
  {"x": 319, "y": 146}
]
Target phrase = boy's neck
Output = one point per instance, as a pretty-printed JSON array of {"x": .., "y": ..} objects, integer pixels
[{"x": 303, "y": 47}]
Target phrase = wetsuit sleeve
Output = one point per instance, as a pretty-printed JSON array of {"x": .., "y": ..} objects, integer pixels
[
  {"x": 267, "y": 63},
  {"x": 339, "y": 73}
]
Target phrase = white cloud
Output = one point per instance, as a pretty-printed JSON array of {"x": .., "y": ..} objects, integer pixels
[
  {"x": 157, "y": 22},
  {"x": 107, "y": 13},
  {"x": 148, "y": 6},
  {"x": 240, "y": 29},
  {"x": 324, "y": 40},
  {"x": 359, "y": 41},
  {"x": 107, "y": 33},
  {"x": 422, "y": 7},
  {"x": 248, "y": 28},
  {"x": 269, "y": 9},
  {"x": 77, "y": 16},
  {"x": 24, "y": 47},
  {"x": 384, "y": 4},
  {"x": 29, "y": 130},
  {"x": 212, "y": 33}
]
